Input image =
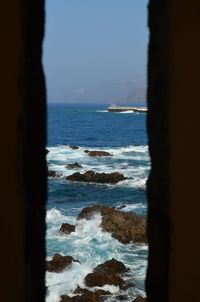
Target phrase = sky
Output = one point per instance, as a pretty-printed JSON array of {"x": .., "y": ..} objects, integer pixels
[{"x": 95, "y": 50}]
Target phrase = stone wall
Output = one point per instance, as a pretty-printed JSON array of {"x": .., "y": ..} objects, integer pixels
[
  {"x": 173, "y": 185},
  {"x": 12, "y": 203},
  {"x": 185, "y": 150},
  {"x": 23, "y": 138},
  {"x": 158, "y": 133},
  {"x": 32, "y": 145}
]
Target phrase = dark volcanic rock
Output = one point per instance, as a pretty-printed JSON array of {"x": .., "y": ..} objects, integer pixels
[
  {"x": 90, "y": 297},
  {"x": 120, "y": 207},
  {"x": 107, "y": 273},
  {"x": 53, "y": 174},
  {"x": 59, "y": 263},
  {"x": 126, "y": 227},
  {"x": 86, "y": 296},
  {"x": 91, "y": 176},
  {"x": 99, "y": 292},
  {"x": 46, "y": 151},
  {"x": 99, "y": 153},
  {"x": 67, "y": 228},
  {"x": 65, "y": 298},
  {"x": 74, "y": 147},
  {"x": 73, "y": 166},
  {"x": 86, "y": 151},
  {"x": 140, "y": 299}
]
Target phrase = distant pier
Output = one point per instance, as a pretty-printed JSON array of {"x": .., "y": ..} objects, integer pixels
[{"x": 127, "y": 108}]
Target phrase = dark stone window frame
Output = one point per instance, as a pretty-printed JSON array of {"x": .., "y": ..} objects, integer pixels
[{"x": 32, "y": 139}]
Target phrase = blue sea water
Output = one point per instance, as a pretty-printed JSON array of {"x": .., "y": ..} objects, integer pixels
[{"x": 91, "y": 127}]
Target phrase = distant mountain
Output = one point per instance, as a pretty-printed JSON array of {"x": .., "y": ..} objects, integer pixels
[
  {"x": 128, "y": 90},
  {"x": 132, "y": 89}
]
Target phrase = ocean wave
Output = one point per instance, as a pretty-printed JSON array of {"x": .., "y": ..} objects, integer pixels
[
  {"x": 133, "y": 207},
  {"x": 132, "y": 161},
  {"x": 66, "y": 282},
  {"x": 66, "y": 149},
  {"x": 102, "y": 111},
  {"x": 54, "y": 216},
  {"x": 91, "y": 246},
  {"x": 125, "y": 112}
]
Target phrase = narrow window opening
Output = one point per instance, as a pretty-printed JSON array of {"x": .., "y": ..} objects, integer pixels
[{"x": 98, "y": 163}]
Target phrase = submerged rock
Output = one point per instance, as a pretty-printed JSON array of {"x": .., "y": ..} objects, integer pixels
[
  {"x": 74, "y": 147},
  {"x": 59, "y": 263},
  {"x": 140, "y": 299},
  {"x": 125, "y": 226},
  {"x": 121, "y": 207},
  {"x": 99, "y": 292},
  {"x": 73, "y": 166},
  {"x": 86, "y": 151},
  {"x": 99, "y": 153},
  {"x": 53, "y": 174},
  {"x": 84, "y": 295},
  {"x": 107, "y": 273},
  {"x": 67, "y": 228},
  {"x": 91, "y": 176}
]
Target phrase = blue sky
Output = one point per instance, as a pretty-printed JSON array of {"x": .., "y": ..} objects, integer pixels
[{"x": 95, "y": 50}]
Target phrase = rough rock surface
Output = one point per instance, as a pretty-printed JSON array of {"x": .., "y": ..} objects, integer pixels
[
  {"x": 73, "y": 166},
  {"x": 107, "y": 273},
  {"x": 53, "y": 174},
  {"x": 91, "y": 176},
  {"x": 59, "y": 263},
  {"x": 99, "y": 292},
  {"x": 74, "y": 147},
  {"x": 67, "y": 228},
  {"x": 140, "y": 299},
  {"x": 126, "y": 227},
  {"x": 121, "y": 207},
  {"x": 86, "y": 296},
  {"x": 99, "y": 153}
]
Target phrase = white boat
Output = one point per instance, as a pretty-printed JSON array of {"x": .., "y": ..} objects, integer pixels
[{"x": 115, "y": 108}]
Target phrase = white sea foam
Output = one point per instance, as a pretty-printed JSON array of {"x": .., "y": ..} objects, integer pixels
[
  {"x": 102, "y": 111},
  {"x": 66, "y": 282},
  {"x": 91, "y": 246},
  {"x": 125, "y": 112},
  {"x": 127, "y": 160},
  {"x": 133, "y": 207},
  {"x": 54, "y": 216}
]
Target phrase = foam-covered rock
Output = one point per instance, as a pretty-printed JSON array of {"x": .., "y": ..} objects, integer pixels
[
  {"x": 67, "y": 228},
  {"x": 53, "y": 174},
  {"x": 73, "y": 166},
  {"x": 59, "y": 263},
  {"x": 86, "y": 296},
  {"x": 107, "y": 273},
  {"x": 140, "y": 299},
  {"x": 99, "y": 153},
  {"x": 91, "y": 176},
  {"x": 127, "y": 227}
]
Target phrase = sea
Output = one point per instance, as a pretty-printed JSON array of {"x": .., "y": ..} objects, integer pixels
[{"x": 92, "y": 127}]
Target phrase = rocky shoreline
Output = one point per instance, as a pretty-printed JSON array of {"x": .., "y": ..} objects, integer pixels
[
  {"x": 111, "y": 272},
  {"x": 102, "y": 178},
  {"x": 89, "y": 176},
  {"x": 126, "y": 227}
]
